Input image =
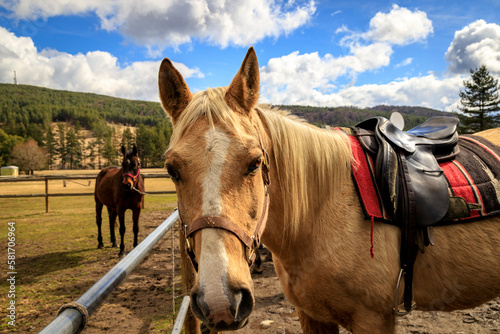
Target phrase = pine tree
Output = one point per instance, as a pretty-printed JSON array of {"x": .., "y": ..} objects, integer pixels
[
  {"x": 479, "y": 101},
  {"x": 73, "y": 149},
  {"x": 50, "y": 146},
  {"x": 61, "y": 144},
  {"x": 127, "y": 138}
]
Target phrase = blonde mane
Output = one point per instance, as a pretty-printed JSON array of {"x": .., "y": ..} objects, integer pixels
[{"x": 312, "y": 163}]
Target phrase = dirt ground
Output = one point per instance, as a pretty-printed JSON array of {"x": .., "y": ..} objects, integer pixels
[{"x": 147, "y": 294}]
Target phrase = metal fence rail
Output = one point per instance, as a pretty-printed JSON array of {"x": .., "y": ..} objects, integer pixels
[
  {"x": 73, "y": 317},
  {"x": 179, "y": 321}
]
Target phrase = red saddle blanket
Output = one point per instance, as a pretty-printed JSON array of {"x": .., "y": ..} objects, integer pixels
[{"x": 473, "y": 175}]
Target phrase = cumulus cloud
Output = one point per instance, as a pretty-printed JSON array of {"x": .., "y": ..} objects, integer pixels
[
  {"x": 294, "y": 76},
  {"x": 313, "y": 79},
  {"x": 157, "y": 24},
  {"x": 97, "y": 71},
  {"x": 475, "y": 45},
  {"x": 400, "y": 26},
  {"x": 428, "y": 91}
]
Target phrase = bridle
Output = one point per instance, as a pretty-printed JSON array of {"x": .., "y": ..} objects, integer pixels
[
  {"x": 133, "y": 177},
  {"x": 251, "y": 243}
]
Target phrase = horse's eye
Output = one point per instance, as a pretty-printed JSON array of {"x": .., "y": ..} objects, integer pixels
[
  {"x": 254, "y": 166},
  {"x": 174, "y": 174}
]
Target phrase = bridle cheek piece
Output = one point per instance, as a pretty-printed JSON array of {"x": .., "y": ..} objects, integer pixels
[
  {"x": 251, "y": 243},
  {"x": 134, "y": 178}
]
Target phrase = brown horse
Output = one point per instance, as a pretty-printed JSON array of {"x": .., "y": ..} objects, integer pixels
[
  {"x": 223, "y": 151},
  {"x": 120, "y": 189}
]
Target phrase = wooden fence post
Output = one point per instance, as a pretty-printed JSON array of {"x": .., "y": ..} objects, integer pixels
[{"x": 46, "y": 195}]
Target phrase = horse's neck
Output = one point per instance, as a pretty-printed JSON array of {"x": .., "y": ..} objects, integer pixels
[{"x": 325, "y": 191}]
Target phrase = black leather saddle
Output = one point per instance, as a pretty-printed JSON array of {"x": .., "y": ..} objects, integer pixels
[
  {"x": 411, "y": 183},
  {"x": 421, "y": 148}
]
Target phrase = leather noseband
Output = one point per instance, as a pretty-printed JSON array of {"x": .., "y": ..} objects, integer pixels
[{"x": 251, "y": 242}]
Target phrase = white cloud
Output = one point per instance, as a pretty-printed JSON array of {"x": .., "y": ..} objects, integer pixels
[
  {"x": 475, "y": 45},
  {"x": 427, "y": 91},
  {"x": 294, "y": 76},
  {"x": 400, "y": 26},
  {"x": 312, "y": 79},
  {"x": 97, "y": 71},
  {"x": 157, "y": 24},
  {"x": 405, "y": 62}
]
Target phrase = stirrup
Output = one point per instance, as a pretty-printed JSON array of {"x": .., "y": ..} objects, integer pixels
[{"x": 399, "y": 310}]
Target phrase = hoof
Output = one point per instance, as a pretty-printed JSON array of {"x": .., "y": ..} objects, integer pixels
[
  {"x": 120, "y": 255},
  {"x": 100, "y": 246},
  {"x": 114, "y": 245}
]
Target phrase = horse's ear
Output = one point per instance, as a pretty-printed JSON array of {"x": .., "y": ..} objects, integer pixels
[
  {"x": 134, "y": 150},
  {"x": 174, "y": 92},
  {"x": 123, "y": 150},
  {"x": 243, "y": 93}
]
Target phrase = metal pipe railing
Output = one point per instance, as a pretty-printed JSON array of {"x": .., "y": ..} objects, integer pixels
[
  {"x": 73, "y": 317},
  {"x": 179, "y": 321}
]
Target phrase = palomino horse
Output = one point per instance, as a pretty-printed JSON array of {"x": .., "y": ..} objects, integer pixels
[
  {"x": 223, "y": 151},
  {"x": 120, "y": 189}
]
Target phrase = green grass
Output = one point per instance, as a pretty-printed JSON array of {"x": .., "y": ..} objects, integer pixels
[{"x": 57, "y": 251}]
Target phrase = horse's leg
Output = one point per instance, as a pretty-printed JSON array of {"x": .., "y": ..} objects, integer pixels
[
  {"x": 98, "y": 218},
  {"x": 369, "y": 321},
  {"x": 257, "y": 265},
  {"x": 135, "y": 217},
  {"x": 112, "y": 222},
  {"x": 311, "y": 326},
  {"x": 121, "y": 218},
  {"x": 191, "y": 324}
]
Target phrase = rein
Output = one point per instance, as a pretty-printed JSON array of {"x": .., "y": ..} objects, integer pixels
[{"x": 250, "y": 242}]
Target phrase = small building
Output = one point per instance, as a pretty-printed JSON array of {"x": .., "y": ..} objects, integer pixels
[{"x": 10, "y": 171}]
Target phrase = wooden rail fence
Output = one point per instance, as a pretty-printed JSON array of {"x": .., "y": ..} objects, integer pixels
[{"x": 48, "y": 178}]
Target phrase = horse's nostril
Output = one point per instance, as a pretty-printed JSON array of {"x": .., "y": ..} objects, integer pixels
[
  {"x": 244, "y": 304},
  {"x": 234, "y": 316}
]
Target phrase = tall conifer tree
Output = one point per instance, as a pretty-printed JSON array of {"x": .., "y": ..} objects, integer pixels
[{"x": 479, "y": 101}]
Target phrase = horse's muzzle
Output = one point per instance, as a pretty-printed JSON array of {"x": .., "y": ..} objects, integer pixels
[
  {"x": 215, "y": 313},
  {"x": 127, "y": 185}
]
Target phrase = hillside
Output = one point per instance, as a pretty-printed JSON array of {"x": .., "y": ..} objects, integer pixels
[
  {"x": 350, "y": 116},
  {"x": 85, "y": 130},
  {"x": 30, "y": 112},
  {"x": 25, "y": 105}
]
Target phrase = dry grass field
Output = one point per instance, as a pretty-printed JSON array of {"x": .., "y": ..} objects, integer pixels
[{"x": 56, "y": 253}]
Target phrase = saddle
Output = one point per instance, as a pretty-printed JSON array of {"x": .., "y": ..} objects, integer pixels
[{"x": 413, "y": 187}]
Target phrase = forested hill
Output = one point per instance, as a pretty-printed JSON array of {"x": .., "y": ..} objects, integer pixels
[
  {"x": 350, "y": 115},
  {"x": 27, "y": 110},
  {"x": 30, "y": 112},
  {"x": 23, "y": 106}
]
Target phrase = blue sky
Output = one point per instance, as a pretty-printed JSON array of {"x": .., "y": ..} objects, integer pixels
[{"x": 322, "y": 53}]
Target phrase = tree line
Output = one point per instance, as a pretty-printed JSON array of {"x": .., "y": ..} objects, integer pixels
[
  {"x": 27, "y": 115},
  {"x": 28, "y": 112}
]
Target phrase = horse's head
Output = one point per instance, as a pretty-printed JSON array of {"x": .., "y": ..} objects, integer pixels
[
  {"x": 131, "y": 167},
  {"x": 219, "y": 166}
]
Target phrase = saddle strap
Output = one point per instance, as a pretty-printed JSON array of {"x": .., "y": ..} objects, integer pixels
[{"x": 409, "y": 246}]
